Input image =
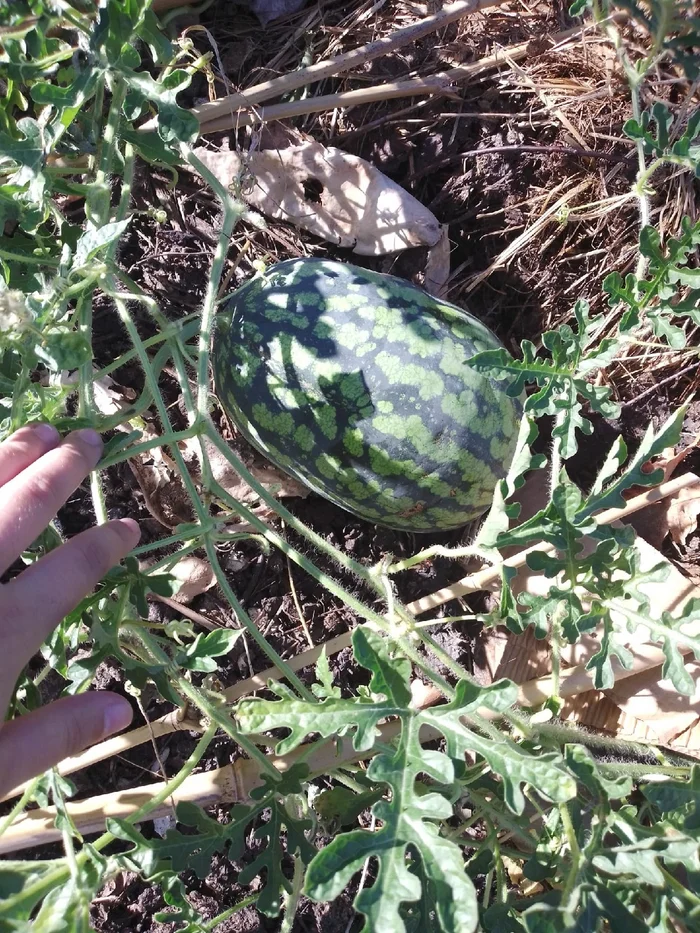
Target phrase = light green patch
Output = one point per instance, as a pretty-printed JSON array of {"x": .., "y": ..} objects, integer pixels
[
  {"x": 474, "y": 470},
  {"x": 461, "y": 408},
  {"x": 327, "y": 368},
  {"x": 324, "y": 416},
  {"x": 384, "y": 406},
  {"x": 500, "y": 449},
  {"x": 281, "y": 423},
  {"x": 357, "y": 490},
  {"x": 386, "y": 320},
  {"x": 277, "y": 299},
  {"x": 413, "y": 430},
  {"x": 323, "y": 330},
  {"x": 452, "y": 362},
  {"x": 252, "y": 335},
  {"x": 349, "y": 335},
  {"x": 353, "y": 442},
  {"x": 304, "y": 437},
  {"x": 510, "y": 423},
  {"x": 286, "y": 398},
  {"x": 398, "y": 371},
  {"x": 352, "y": 387},
  {"x": 451, "y": 518},
  {"x": 434, "y": 484},
  {"x": 246, "y": 366},
  {"x": 277, "y": 316},
  {"x": 393, "y": 425},
  {"x": 487, "y": 426},
  {"x": 328, "y": 466},
  {"x": 416, "y": 336},
  {"x": 383, "y": 465},
  {"x": 341, "y": 303},
  {"x": 364, "y": 348}
]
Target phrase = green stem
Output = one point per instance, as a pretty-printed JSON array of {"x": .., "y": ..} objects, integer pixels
[
  {"x": 292, "y": 904},
  {"x": 164, "y": 440},
  {"x": 226, "y": 914},
  {"x": 502, "y": 819},
  {"x": 40, "y": 888},
  {"x": 328, "y": 582},
  {"x": 20, "y": 805},
  {"x": 201, "y": 513},
  {"x": 439, "y": 550},
  {"x": 97, "y": 205},
  {"x": 220, "y": 717},
  {"x": 673, "y": 884},
  {"x": 574, "y": 852},
  {"x": 86, "y": 404}
]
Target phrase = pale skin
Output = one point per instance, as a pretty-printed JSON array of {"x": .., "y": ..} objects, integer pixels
[{"x": 38, "y": 472}]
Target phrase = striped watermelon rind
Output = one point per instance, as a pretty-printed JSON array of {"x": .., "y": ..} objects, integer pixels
[{"x": 356, "y": 384}]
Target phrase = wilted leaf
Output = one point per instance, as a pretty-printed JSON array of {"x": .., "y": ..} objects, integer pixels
[
  {"x": 275, "y": 481},
  {"x": 437, "y": 268},
  {"x": 683, "y": 512},
  {"x": 336, "y": 196},
  {"x": 194, "y": 576}
]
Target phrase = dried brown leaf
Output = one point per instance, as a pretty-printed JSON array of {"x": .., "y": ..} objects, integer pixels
[
  {"x": 655, "y": 702},
  {"x": 163, "y": 493},
  {"x": 676, "y": 515},
  {"x": 194, "y": 575},
  {"x": 683, "y": 512},
  {"x": 336, "y": 196},
  {"x": 437, "y": 268},
  {"x": 273, "y": 479}
]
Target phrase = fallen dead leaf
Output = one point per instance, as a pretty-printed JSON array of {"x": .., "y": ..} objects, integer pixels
[
  {"x": 683, "y": 512},
  {"x": 655, "y": 702},
  {"x": 194, "y": 575},
  {"x": 336, "y": 196},
  {"x": 676, "y": 515},
  {"x": 110, "y": 397},
  {"x": 274, "y": 480},
  {"x": 437, "y": 268},
  {"x": 164, "y": 495}
]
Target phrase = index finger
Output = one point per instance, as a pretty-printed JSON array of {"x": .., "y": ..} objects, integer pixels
[{"x": 32, "y": 498}]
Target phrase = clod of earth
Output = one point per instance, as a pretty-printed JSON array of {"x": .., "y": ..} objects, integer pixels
[{"x": 357, "y": 384}]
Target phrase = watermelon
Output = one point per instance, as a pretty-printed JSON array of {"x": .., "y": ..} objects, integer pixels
[{"x": 356, "y": 384}]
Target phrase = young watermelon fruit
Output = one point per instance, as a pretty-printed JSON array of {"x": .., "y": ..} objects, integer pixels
[{"x": 356, "y": 384}]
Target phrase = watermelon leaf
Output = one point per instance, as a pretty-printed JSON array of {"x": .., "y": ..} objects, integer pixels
[
  {"x": 652, "y": 445},
  {"x": 670, "y": 288},
  {"x": 562, "y": 379},
  {"x": 408, "y": 833}
]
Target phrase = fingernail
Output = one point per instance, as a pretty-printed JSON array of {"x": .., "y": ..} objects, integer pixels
[
  {"x": 46, "y": 433},
  {"x": 88, "y": 436},
  {"x": 128, "y": 529},
  {"x": 117, "y": 716}
]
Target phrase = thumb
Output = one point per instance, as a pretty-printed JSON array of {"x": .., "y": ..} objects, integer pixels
[{"x": 31, "y": 744}]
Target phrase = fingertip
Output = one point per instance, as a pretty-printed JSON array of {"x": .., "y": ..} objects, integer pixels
[
  {"x": 128, "y": 530},
  {"x": 47, "y": 433},
  {"x": 87, "y": 442},
  {"x": 117, "y": 713}
]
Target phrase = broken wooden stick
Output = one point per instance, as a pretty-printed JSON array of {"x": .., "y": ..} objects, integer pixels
[
  {"x": 240, "y": 109},
  {"x": 575, "y": 680},
  {"x": 330, "y": 67}
]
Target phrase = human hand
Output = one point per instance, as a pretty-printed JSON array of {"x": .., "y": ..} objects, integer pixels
[{"x": 38, "y": 472}]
